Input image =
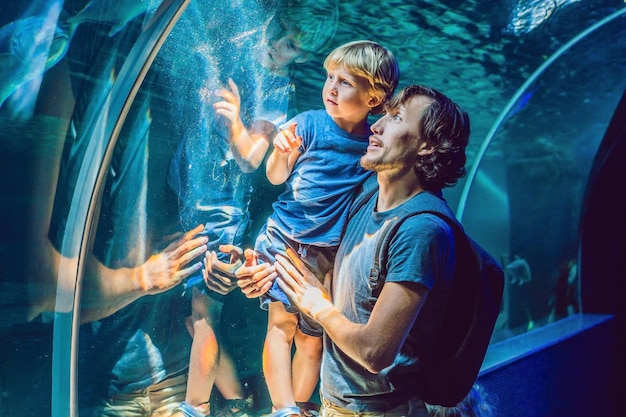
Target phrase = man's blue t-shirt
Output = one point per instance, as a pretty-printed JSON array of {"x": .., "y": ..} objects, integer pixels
[{"x": 422, "y": 252}]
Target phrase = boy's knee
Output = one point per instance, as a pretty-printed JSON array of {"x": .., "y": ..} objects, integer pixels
[
  {"x": 309, "y": 345},
  {"x": 279, "y": 318}
]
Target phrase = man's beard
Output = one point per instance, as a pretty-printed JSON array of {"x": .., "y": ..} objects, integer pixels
[
  {"x": 381, "y": 163},
  {"x": 375, "y": 165}
]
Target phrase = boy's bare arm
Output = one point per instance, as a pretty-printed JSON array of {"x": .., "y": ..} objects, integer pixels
[
  {"x": 248, "y": 145},
  {"x": 284, "y": 156}
]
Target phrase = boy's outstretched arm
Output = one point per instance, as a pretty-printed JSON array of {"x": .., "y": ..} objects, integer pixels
[
  {"x": 248, "y": 145},
  {"x": 284, "y": 156}
]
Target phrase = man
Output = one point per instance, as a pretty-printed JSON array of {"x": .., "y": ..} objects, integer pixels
[{"x": 373, "y": 352}]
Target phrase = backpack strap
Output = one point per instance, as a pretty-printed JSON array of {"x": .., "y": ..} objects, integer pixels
[
  {"x": 363, "y": 194},
  {"x": 378, "y": 272},
  {"x": 433, "y": 205}
]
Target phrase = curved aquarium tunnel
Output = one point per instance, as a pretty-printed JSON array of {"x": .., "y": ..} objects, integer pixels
[{"x": 108, "y": 136}]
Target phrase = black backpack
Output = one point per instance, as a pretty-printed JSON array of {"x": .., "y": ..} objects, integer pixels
[{"x": 473, "y": 307}]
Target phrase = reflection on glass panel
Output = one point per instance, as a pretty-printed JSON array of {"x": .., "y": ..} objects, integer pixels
[
  {"x": 188, "y": 157},
  {"x": 191, "y": 157},
  {"x": 55, "y": 82}
]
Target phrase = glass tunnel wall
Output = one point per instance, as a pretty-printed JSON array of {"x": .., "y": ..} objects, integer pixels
[{"x": 95, "y": 189}]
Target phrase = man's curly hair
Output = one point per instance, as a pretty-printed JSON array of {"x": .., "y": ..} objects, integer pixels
[{"x": 445, "y": 127}]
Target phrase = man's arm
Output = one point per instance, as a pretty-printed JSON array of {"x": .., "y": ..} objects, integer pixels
[
  {"x": 374, "y": 344},
  {"x": 107, "y": 290}
]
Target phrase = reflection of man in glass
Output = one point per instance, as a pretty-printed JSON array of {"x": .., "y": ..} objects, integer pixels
[
  {"x": 129, "y": 300},
  {"x": 233, "y": 106}
]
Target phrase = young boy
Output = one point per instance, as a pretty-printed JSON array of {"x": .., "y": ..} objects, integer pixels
[{"x": 318, "y": 159}]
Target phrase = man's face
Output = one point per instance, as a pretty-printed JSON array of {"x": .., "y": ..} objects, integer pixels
[{"x": 394, "y": 143}]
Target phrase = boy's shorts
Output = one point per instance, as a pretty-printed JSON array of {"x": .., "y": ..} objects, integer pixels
[
  {"x": 319, "y": 260},
  {"x": 223, "y": 225}
]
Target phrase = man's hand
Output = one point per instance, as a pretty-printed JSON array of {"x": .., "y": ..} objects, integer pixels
[
  {"x": 302, "y": 286},
  {"x": 167, "y": 269}
]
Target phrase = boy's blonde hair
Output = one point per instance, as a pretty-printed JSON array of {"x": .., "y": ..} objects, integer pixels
[{"x": 371, "y": 61}]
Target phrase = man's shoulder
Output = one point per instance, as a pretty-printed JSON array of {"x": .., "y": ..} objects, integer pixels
[
  {"x": 426, "y": 214},
  {"x": 426, "y": 226},
  {"x": 428, "y": 201}
]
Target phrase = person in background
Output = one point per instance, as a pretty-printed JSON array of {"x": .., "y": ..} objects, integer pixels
[
  {"x": 373, "y": 350},
  {"x": 213, "y": 170}
]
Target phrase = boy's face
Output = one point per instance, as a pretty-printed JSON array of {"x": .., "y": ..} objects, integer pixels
[
  {"x": 346, "y": 95},
  {"x": 280, "y": 53},
  {"x": 280, "y": 49}
]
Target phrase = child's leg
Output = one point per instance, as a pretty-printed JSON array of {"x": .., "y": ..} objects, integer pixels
[
  {"x": 204, "y": 349},
  {"x": 226, "y": 379},
  {"x": 306, "y": 366},
  {"x": 209, "y": 362},
  {"x": 281, "y": 328},
  {"x": 228, "y": 383}
]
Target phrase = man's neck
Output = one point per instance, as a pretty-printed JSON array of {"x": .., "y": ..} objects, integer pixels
[{"x": 393, "y": 190}]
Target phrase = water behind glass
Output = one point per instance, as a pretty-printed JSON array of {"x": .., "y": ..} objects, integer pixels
[{"x": 529, "y": 188}]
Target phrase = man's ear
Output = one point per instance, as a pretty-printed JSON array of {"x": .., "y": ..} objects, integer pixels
[{"x": 425, "y": 149}]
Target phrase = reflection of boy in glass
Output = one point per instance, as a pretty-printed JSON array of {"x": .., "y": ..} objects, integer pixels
[{"x": 210, "y": 171}]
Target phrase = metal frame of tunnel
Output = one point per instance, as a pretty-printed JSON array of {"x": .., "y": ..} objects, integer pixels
[{"x": 102, "y": 140}]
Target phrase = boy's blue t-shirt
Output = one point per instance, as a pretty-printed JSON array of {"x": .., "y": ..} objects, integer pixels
[{"x": 314, "y": 207}]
